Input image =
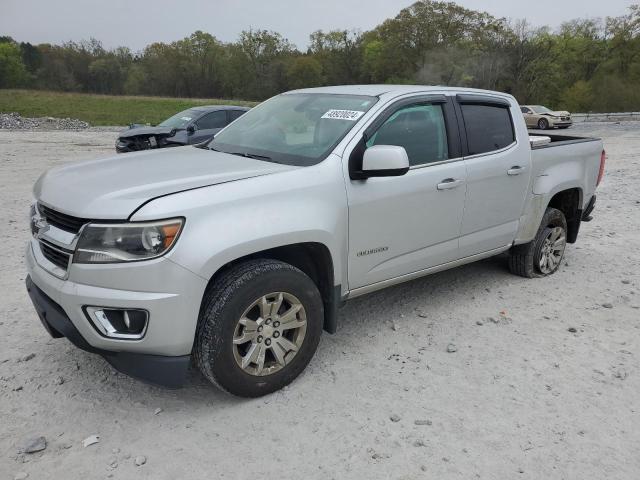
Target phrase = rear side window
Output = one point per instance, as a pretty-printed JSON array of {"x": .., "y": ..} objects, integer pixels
[
  {"x": 213, "y": 120},
  {"x": 488, "y": 127},
  {"x": 235, "y": 114}
]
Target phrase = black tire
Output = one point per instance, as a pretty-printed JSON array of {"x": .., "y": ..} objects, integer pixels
[
  {"x": 524, "y": 260},
  {"x": 543, "y": 124},
  {"x": 224, "y": 303}
]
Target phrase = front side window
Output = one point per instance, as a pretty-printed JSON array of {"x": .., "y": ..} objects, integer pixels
[
  {"x": 295, "y": 129},
  {"x": 212, "y": 120},
  {"x": 488, "y": 127},
  {"x": 420, "y": 129},
  {"x": 540, "y": 109}
]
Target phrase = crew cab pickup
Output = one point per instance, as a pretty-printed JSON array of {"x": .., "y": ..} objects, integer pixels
[{"x": 235, "y": 255}]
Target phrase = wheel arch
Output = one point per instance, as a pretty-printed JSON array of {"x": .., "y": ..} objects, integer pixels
[
  {"x": 569, "y": 202},
  {"x": 312, "y": 258}
]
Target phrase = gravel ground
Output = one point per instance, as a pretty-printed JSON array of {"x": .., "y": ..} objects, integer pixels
[
  {"x": 14, "y": 121},
  {"x": 470, "y": 373}
]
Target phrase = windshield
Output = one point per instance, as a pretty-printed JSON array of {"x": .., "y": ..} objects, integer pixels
[
  {"x": 296, "y": 129},
  {"x": 540, "y": 109},
  {"x": 180, "y": 120}
]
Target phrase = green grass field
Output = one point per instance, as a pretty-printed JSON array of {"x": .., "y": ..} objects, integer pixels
[{"x": 100, "y": 109}]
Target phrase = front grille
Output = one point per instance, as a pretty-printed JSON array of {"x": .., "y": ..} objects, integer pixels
[
  {"x": 62, "y": 220},
  {"x": 134, "y": 144},
  {"x": 55, "y": 256}
]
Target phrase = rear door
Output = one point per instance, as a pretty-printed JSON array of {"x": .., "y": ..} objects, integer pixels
[
  {"x": 208, "y": 125},
  {"x": 401, "y": 225},
  {"x": 498, "y": 172}
]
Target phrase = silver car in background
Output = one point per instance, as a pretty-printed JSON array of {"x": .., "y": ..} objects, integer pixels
[{"x": 540, "y": 117}]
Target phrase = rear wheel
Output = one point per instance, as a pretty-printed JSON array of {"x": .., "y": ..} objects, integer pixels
[
  {"x": 259, "y": 327},
  {"x": 543, "y": 124},
  {"x": 542, "y": 256}
]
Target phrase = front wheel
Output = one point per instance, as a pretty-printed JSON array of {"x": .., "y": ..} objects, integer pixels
[
  {"x": 542, "y": 256},
  {"x": 259, "y": 327},
  {"x": 543, "y": 124}
]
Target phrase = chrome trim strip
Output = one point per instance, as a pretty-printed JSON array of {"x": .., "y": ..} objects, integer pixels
[
  {"x": 59, "y": 237},
  {"x": 493, "y": 152},
  {"x": 53, "y": 234},
  {"x": 356, "y": 292},
  {"x": 50, "y": 267},
  {"x": 102, "y": 324},
  {"x": 431, "y": 164}
]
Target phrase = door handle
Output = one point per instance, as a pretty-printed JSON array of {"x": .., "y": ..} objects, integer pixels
[
  {"x": 449, "y": 183},
  {"x": 515, "y": 170}
]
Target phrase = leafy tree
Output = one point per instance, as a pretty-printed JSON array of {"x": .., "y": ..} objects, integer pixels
[
  {"x": 12, "y": 71},
  {"x": 584, "y": 65},
  {"x": 137, "y": 80},
  {"x": 339, "y": 53},
  {"x": 257, "y": 64},
  {"x": 106, "y": 75},
  {"x": 579, "y": 97},
  {"x": 303, "y": 72},
  {"x": 31, "y": 57}
]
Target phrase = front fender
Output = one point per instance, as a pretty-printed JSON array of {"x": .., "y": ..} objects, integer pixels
[{"x": 229, "y": 221}]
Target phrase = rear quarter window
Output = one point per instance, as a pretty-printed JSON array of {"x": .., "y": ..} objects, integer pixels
[{"x": 489, "y": 128}]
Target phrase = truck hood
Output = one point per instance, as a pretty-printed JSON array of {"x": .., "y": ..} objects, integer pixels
[{"x": 113, "y": 188}]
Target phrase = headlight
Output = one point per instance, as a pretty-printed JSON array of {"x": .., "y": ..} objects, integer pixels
[{"x": 126, "y": 242}]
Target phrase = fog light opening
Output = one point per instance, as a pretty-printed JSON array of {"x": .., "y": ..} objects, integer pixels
[{"x": 119, "y": 323}]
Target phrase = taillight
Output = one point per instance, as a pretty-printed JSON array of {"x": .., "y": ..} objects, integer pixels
[{"x": 603, "y": 159}]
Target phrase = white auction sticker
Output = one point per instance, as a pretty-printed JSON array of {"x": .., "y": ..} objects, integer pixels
[{"x": 351, "y": 115}]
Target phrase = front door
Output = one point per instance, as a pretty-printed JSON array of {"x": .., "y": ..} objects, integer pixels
[{"x": 401, "y": 225}]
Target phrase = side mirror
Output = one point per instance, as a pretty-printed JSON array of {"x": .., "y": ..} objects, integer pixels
[
  {"x": 191, "y": 129},
  {"x": 385, "y": 161}
]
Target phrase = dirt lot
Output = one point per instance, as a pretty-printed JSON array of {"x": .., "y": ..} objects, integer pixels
[{"x": 522, "y": 397}]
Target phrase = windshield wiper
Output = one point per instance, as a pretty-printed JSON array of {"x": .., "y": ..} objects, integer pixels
[
  {"x": 251, "y": 155},
  {"x": 254, "y": 156}
]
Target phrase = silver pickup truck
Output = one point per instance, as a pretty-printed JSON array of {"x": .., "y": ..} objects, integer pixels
[{"x": 235, "y": 255}]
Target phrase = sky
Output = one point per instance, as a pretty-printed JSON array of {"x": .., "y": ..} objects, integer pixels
[{"x": 136, "y": 23}]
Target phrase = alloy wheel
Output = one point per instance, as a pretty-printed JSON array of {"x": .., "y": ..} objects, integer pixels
[
  {"x": 269, "y": 333},
  {"x": 552, "y": 250}
]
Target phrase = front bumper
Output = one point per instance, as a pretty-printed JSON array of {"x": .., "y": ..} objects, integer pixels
[
  {"x": 160, "y": 370},
  {"x": 170, "y": 293},
  {"x": 560, "y": 123}
]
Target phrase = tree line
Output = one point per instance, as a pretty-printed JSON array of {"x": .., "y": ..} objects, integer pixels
[{"x": 584, "y": 65}]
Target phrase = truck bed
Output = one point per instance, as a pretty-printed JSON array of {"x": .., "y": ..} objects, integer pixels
[
  {"x": 559, "y": 140},
  {"x": 566, "y": 160}
]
